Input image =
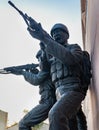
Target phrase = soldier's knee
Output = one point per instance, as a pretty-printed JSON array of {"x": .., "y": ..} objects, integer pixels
[
  {"x": 25, "y": 123},
  {"x": 21, "y": 124},
  {"x": 53, "y": 114}
]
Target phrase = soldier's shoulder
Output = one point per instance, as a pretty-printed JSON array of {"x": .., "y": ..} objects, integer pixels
[{"x": 75, "y": 45}]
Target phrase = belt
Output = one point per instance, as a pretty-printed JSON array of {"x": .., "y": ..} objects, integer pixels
[{"x": 66, "y": 81}]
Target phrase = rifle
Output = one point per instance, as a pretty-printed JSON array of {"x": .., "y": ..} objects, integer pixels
[
  {"x": 28, "y": 67},
  {"x": 26, "y": 18}
]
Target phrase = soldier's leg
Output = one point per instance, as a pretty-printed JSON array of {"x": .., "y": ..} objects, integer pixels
[
  {"x": 81, "y": 120},
  {"x": 34, "y": 117},
  {"x": 63, "y": 109},
  {"x": 78, "y": 122},
  {"x": 73, "y": 124}
]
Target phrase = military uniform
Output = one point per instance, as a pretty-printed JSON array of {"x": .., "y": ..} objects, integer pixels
[
  {"x": 47, "y": 92},
  {"x": 65, "y": 73}
]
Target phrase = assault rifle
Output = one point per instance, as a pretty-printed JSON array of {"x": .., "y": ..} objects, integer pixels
[
  {"x": 26, "y": 18},
  {"x": 29, "y": 67}
]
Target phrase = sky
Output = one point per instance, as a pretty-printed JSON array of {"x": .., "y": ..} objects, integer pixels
[{"x": 17, "y": 47}]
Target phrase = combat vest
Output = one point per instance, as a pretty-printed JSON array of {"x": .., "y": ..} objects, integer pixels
[{"x": 61, "y": 71}]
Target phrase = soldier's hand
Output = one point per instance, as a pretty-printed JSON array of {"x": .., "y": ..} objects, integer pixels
[{"x": 36, "y": 31}]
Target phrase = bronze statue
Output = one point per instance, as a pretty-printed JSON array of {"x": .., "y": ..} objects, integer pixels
[
  {"x": 46, "y": 89},
  {"x": 65, "y": 73},
  {"x": 47, "y": 92}
]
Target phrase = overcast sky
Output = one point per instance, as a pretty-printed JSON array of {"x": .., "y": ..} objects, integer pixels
[{"x": 17, "y": 47}]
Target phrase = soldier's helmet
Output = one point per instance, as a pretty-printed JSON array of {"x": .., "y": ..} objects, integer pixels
[{"x": 59, "y": 26}]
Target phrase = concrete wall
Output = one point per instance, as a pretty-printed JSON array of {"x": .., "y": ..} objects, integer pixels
[
  {"x": 13, "y": 127},
  {"x": 3, "y": 120},
  {"x": 91, "y": 33},
  {"x": 92, "y": 39}
]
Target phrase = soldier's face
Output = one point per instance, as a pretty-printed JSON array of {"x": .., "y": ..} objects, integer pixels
[{"x": 60, "y": 36}]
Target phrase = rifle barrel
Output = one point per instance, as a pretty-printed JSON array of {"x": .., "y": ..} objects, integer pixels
[
  {"x": 2, "y": 71},
  {"x": 7, "y": 70},
  {"x": 14, "y": 7},
  {"x": 20, "y": 12}
]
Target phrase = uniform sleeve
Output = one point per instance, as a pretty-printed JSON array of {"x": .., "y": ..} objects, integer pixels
[
  {"x": 67, "y": 55},
  {"x": 35, "y": 79}
]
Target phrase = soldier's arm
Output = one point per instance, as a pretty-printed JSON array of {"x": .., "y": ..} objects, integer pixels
[
  {"x": 55, "y": 49},
  {"x": 65, "y": 55},
  {"x": 35, "y": 79}
]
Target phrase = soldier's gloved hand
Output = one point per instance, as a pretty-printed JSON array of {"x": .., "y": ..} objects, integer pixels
[
  {"x": 34, "y": 71},
  {"x": 36, "y": 31},
  {"x": 16, "y": 71}
]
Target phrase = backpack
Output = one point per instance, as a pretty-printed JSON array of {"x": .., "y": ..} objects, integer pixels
[{"x": 86, "y": 70}]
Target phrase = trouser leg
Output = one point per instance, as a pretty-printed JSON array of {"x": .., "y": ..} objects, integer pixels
[
  {"x": 34, "y": 117},
  {"x": 64, "y": 109},
  {"x": 78, "y": 122},
  {"x": 81, "y": 119},
  {"x": 22, "y": 126},
  {"x": 73, "y": 123}
]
